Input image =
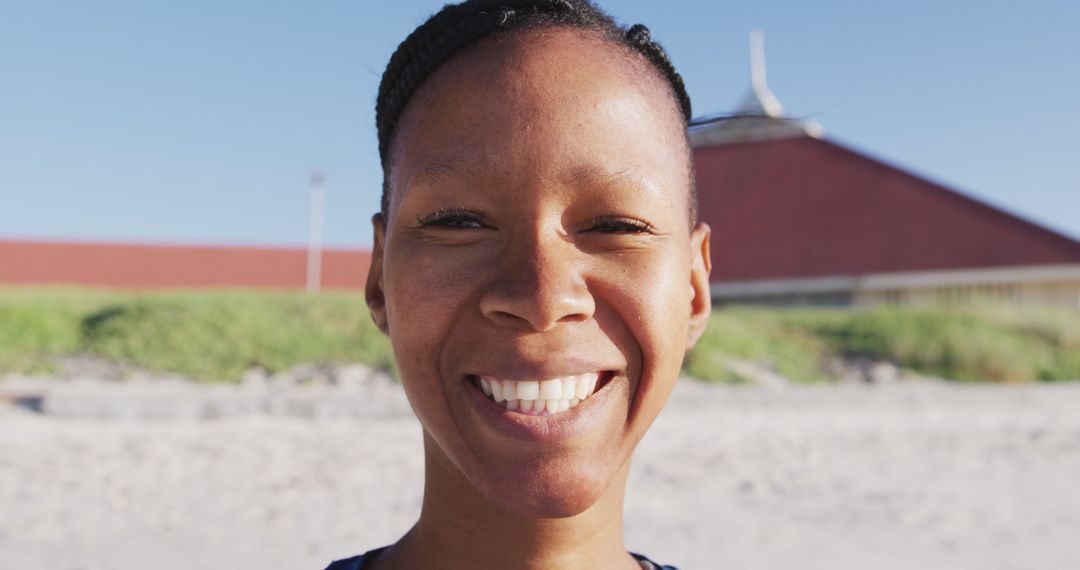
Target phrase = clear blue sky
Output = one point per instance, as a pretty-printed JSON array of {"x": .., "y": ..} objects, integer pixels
[{"x": 200, "y": 121}]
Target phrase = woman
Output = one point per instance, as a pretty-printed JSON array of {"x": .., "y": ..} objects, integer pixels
[{"x": 539, "y": 271}]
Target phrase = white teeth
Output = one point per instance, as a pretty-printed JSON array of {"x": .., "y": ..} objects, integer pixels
[
  {"x": 569, "y": 387},
  {"x": 551, "y": 390},
  {"x": 585, "y": 385},
  {"x": 510, "y": 390},
  {"x": 540, "y": 396},
  {"x": 528, "y": 390}
]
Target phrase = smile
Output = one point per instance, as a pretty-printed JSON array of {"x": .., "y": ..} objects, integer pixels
[{"x": 539, "y": 397}]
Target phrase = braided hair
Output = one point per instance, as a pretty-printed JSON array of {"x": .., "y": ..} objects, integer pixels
[{"x": 457, "y": 26}]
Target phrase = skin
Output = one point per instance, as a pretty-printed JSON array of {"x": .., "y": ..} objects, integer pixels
[{"x": 538, "y": 224}]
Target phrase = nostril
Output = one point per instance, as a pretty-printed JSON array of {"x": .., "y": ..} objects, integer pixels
[
  {"x": 515, "y": 321},
  {"x": 538, "y": 298}
]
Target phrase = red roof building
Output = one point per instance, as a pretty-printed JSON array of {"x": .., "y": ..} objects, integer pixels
[{"x": 799, "y": 219}]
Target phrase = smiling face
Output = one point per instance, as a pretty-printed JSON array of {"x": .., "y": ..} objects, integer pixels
[{"x": 539, "y": 230}]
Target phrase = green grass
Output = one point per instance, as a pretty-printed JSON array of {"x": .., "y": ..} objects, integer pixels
[
  {"x": 216, "y": 335},
  {"x": 36, "y": 325},
  {"x": 976, "y": 343},
  {"x": 755, "y": 335},
  {"x": 213, "y": 335}
]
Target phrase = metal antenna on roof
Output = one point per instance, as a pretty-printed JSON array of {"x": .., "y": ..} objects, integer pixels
[{"x": 758, "y": 79}]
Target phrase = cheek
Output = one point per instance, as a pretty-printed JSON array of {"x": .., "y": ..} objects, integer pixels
[
  {"x": 654, "y": 300},
  {"x": 668, "y": 315},
  {"x": 428, "y": 295},
  {"x": 424, "y": 292},
  {"x": 425, "y": 296}
]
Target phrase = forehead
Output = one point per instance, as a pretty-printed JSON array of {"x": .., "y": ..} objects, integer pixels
[{"x": 542, "y": 102}]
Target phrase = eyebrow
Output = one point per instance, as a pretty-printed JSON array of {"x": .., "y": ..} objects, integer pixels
[
  {"x": 438, "y": 169},
  {"x": 584, "y": 174},
  {"x": 595, "y": 174}
]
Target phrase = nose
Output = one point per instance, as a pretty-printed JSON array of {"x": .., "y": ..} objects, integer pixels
[{"x": 539, "y": 283}]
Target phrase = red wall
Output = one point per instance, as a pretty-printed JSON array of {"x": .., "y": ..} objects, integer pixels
[
  {"x": 804, "y": 207},
  {"x": 171, "y": 266}
]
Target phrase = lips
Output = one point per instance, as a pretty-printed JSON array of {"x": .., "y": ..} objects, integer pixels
[{"x": 539, "y": 397}]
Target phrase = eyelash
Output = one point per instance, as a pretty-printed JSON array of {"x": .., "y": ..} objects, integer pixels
[
  {"x": 460, "y": 219},
  {"x": 452, "y": 218},
  {"x": 619, "y": 224}
]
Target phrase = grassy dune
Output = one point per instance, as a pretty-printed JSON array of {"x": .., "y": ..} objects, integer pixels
[
  {"x": 213, "y": 335},
  {"x": 216, "y": 335},
  {"x": 982, "y": 342}
]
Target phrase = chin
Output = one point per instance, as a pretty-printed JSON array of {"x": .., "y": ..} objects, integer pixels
[{"x": 548, "y": 491}]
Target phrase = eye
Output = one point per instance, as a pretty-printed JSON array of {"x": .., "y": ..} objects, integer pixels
[
  {"x": 453, "y": 218},
  {"x": 619, "y": 225}
]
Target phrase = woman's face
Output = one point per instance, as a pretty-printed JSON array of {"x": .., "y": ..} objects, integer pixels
[{"x": 538, "y": 230}]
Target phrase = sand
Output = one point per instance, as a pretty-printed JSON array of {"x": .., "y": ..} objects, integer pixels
[{"x": 167, "y": 474}]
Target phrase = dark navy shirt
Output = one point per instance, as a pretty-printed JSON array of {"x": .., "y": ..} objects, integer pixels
[{"x": 357, "y": 562}]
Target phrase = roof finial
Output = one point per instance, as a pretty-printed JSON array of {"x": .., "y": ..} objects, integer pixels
[
  {"x": 757, "y": 59},
  {"x": 760, "y": 117},
  {"x": 758, "y": 79}
]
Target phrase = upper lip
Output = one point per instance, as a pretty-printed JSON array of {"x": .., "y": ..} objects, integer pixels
[{"x": 557, "y": 367}]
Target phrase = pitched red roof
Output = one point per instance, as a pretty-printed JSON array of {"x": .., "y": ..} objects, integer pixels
[
  {"x": 806, "y": 207},
  {"x": 174, "y": 266}
]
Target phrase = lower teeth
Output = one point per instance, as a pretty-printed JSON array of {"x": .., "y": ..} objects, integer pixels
[{"x": 540, "y": 406}]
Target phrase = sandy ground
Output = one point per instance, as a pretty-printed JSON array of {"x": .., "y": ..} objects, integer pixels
[{"x": 915, "y": 474}]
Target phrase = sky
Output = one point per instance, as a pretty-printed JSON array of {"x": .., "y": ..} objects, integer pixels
[{"x": 201, "y": 122}]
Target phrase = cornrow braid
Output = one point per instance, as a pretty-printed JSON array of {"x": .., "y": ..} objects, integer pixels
[{"x": 456, "y": 26}]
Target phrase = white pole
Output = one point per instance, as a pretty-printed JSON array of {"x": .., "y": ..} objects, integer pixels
[
  {"x": 758, "y": 78},
  {"x": 314, "y": 255},
  {"x": 759, "y": 81}
]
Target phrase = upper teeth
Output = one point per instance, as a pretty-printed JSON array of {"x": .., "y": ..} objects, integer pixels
[{"x": 537, "y": 396}]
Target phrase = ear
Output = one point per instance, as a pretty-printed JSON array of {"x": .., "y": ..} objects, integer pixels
[
  {"x": 373, "y": 290},
  {"x": 701, "y": 296}
]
